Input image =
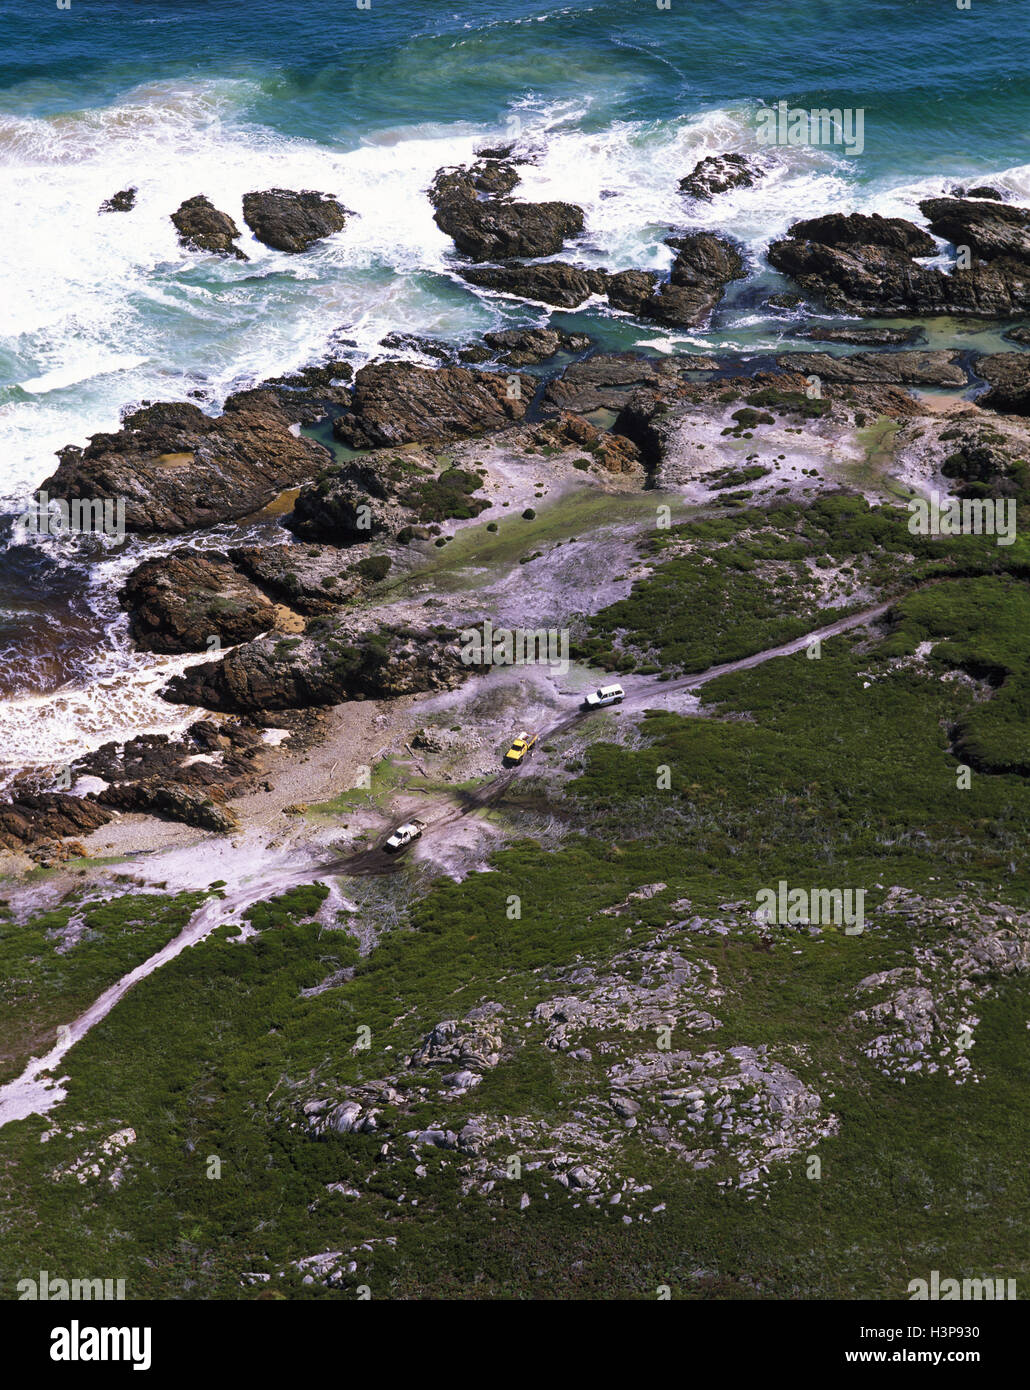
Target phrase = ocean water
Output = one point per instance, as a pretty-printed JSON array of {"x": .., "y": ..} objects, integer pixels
[{"x": 178, "y": 97}]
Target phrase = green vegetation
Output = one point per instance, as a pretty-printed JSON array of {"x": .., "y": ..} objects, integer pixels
[
  {"x": 753, "y": 576},
  {"x": 450, "y": 495},
  {"x": 373, "y": 567},
  {"x": 837, "y": 770},
  {"x": 54, "y": 966}
]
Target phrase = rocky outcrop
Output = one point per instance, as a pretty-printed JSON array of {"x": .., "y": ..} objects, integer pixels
[
  {"x": 178, "y": 602},
  {"x": 990, "y": 230},
  {"x": 184, "y": 779},
  {"x": 1009, "y": 377},
  {"x": 785, "y": 301},
  {"x": 553, "y": 282},
  {"x": 331, "y": 663},
  {"x": 892, "y": 368},
  {"x": 859, "y": 229},
  {"x": 202, "y": 227},
  {"x": 400, "y": 403},
  {"x": 704, "y": 264},
  {"x": 490, "y": 231},
  {"x": 168, "y": 801},
  {"x": 612, "y": 452},
  {"x": 310, "y": 394},
  {"x": 983, "y": 190},
  {"x": 718, "y": 173},
  {"x": 43, "y": 817},
  {"x": 310, "y": 579},
  {"x": 384, "y": 493},
  {"x": 289, "y": 221},
  {"x": 494, "y": 174},
  {"x": 475, "y": 1044},
  {"x": 605, "y": 380},
  {"x": 865, "y": 265},
  {"x": 495, "y": 177},
  {"x": 124, "y": 201},
  {"x": 865, "y": 337},
  {"x": 436, "y": 348},
  {"x": 521, "y": 347},
  {"x": 177, "y": 468}
]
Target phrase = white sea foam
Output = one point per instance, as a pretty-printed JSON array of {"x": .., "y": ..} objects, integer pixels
[{"x": 50, "y": 730}]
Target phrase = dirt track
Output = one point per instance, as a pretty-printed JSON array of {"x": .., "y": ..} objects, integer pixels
[
  {"x": 438, "y": 813},
  {"x": 35, "y": 1090}
]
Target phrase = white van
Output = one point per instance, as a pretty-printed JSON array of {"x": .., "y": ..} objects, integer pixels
[
  {"x": 403, "y": 835},
  {"x": 606, "y": 695}
]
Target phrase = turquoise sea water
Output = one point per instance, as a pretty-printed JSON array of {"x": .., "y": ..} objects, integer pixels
[{"x": 619, "y": 100}]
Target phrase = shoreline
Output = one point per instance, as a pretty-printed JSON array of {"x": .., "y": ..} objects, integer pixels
[{"x": 462, "y": 414}]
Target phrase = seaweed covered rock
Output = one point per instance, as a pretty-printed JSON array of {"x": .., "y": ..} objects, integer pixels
[{"x": 383, "y": 494}]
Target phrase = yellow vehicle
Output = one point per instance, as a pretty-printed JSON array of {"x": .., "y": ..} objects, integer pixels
[{"x": 520, "y": 747}]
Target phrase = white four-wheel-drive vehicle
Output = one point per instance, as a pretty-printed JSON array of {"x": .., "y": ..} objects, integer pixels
[
  {"x": 404, "y": 834},
  {"x": 606, "y": 695}
]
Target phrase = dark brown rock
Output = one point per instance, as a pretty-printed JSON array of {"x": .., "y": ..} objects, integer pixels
[
  {"x": 35, "y": 818},
  {"x": 489, "y": 231},
  {"x": 858, "y": 229},
  {"x": 124, "y": 201},
  {"x": 864, "y": 265},
  {"x": 178, "y": 602},
  {"x": 704, "y": 264},
  {"x": 990, "y": 230},
  {"x": 877, "y": 281},
  {"x": 171, "y": 801},
  {"x": 552, "y": 282},
  {"x": 400, "y": 403},
  {"x": 521, "y": 347},
  {"x": 494, "y": 176},
  {"x": 177, "y": 468},
  {"x": 606, "y": 380},
  {"x": 289, "y": 221},
  {"x": 202, "y": 227},
  {"x": 331, "y": 663},
  {"x": 718, "y": 173},
  {"x": 1009, "y": 377},
  {"x": 310, "y": 394}
]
